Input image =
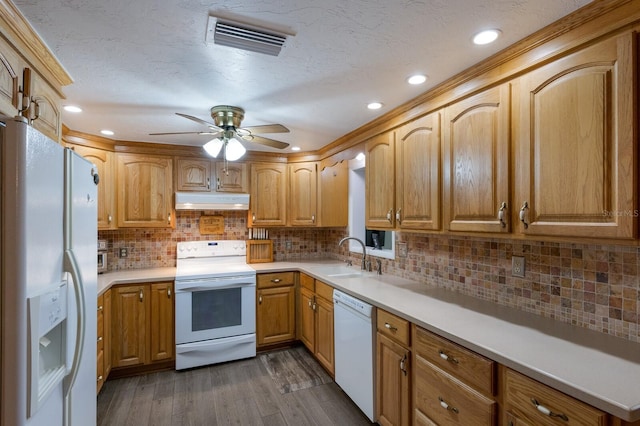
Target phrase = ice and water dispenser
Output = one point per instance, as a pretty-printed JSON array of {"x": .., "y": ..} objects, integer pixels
[{"x": 47, "y": 344}]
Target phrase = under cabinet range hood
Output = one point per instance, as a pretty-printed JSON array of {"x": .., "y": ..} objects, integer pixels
[{"x": 211, "y": 201}]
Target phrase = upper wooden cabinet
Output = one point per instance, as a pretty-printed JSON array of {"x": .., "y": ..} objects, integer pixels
[
  {"x": 45, "y": 107},
  {"x": 575, "y": 126},
  {"x": 11, "y": 65},
  {"x": 193, "y": 174},
  {"x": 418, "y": 174},
  {"x": 145, "y": 191},
  {"x": 231, "y": 177},
  {"x": 380, "y": 181},
  {"x": 105, "y": 164},
  {"x": 333, "y": 194},
  {"x": 268, "y": 201},
  {"x": 476, "y": 162},
  {"x": 303, "y": 194}
]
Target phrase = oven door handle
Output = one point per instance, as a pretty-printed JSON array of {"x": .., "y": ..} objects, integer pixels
[{"x": 193, "y": 288}]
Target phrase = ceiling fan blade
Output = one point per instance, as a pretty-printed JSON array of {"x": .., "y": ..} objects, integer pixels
[
  {"x": 197, "y": 120},
  {"x": 267, "y": 128},
  {"x": 184, "y": 133},
  {"x": 266, "y": 141}
]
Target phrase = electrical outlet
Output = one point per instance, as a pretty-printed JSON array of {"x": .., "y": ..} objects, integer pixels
[
  {"x": 288, "y": 245},
  {"x": 124, "y": 252},
  {"x": 517, "y": 266},
  {"x": 402, "y": 250}
]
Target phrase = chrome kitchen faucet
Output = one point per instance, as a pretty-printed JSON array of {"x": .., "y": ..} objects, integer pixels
[{"x": 364, "y": 250}]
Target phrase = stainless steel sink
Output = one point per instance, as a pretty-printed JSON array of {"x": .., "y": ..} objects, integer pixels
[
  {"x": 339, "y": 272},
  {"x": 346, "y": 275}
]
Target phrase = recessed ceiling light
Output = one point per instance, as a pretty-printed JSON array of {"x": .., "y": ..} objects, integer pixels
[
  {"x": 374, "y": 105},
  {"x": 72, "y": 108},
  {"x": 417, "y": 79},
  {"x": 486, "y": 36},
  {"x": 295, "y": 148},
  {"x": 107, "y": 132}
]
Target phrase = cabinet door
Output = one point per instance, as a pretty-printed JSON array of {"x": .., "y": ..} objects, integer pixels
[
  {"x": 276, "y": 315},
  {"x": 575, "y": 128},
  {"x": 193, "y": 174},
  {"x": 10, "y": 73},
  {"x": 45, "y": 107},
  {"x": 392, "y": 383},
  {"x": 129, "y": 326},
  {"x": 145, "y": 191},
  {"x": 476, "y": 162},
  {"x": 231, "y": 177},
  {"x": 303, "y": 194},
  {"x": 324, "y": 334},
  {"x": 333, "y": 195},
  {"x": 161, "y": 322},
  {"x": 306, "y": 308},
  {"x": 380, "y": 182},
  {"x": 268, "y": 194},
  {"x": 107, "y": 332},
  {"x": 103, "y": 160},
  {"x": 100, "y": 345},
  {"x": 418, "y": 174}
]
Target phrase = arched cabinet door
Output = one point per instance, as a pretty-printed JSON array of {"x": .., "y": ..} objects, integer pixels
[
  {"x": 476, "y": 162},
  {"x": 575, "y": 135},
  {"x": 380, "y": 181}
]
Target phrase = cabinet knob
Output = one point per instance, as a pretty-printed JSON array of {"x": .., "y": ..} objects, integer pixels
[
  {"x": 446, "y": 357},
  {"x": 141, "y": 295},
  {"x": 100, "y": 308},
  {"x": 523, "y": 211},
  {"x": 109, "y": 219},
  {"x": 99, "y": 339},
  {"x": 99, "y": 378},
  {"x": 276, "y": 280},
  {"x": 398, "y": 216},
  {"x": 390, "y": 215},
  {"x": 169, "y": 219},
  {"x": 390, "y": 327},
  {"x": 253, "y": 216},
  {"x": 260, "y": 299},
  {"x": 502, "y": 211},
  {"x": 169, "y": 293},
  {"x": 313, "y": 218}
]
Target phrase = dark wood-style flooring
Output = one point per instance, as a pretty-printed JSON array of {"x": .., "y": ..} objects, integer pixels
[{"x": 235, "y": 393}]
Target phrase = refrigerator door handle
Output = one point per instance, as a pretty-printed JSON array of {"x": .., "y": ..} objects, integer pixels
[{"x": 71, "y": 266}]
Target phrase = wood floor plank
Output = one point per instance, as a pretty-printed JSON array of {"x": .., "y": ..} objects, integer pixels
[{"x": 234, "y": 393}]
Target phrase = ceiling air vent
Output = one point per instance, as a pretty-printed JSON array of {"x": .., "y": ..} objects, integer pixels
[{"x": 243, "y": 36}]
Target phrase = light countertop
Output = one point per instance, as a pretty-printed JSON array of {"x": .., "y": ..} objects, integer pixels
[{"x": 599, "y": 369}]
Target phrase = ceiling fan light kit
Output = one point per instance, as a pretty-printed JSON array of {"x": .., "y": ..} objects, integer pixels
[{"x": 227, "y": 132}]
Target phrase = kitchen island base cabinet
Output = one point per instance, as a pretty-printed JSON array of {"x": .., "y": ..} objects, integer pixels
[
  {"x": 142, "y": 325},
  {"x": 275, "y": 308}
]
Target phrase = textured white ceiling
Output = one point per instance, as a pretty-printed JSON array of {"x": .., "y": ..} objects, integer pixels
[{"x": 137, "y": 62}]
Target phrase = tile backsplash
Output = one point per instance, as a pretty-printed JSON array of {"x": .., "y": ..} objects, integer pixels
[{"x": 588, "y": 285}]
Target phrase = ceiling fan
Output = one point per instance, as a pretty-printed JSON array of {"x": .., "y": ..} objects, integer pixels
[{"x": 227, "y": 121}]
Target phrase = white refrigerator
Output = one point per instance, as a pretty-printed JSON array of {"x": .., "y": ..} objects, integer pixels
[{"x": 49, "y": 281}]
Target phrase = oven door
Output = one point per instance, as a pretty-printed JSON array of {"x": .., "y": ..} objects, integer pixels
[{"x": 213, "y": 308}]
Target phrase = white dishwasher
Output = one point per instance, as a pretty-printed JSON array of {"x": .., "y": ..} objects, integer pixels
[{"x": 354, "y": 349}]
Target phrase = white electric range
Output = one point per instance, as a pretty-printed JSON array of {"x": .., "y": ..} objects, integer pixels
[{"x": 215, "y": 303}]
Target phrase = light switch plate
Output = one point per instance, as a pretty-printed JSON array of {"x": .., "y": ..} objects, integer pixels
[{"x": 517, "y": 266}]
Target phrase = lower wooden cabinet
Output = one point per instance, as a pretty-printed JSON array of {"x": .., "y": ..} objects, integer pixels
[
  {"x": 528, "y": 402},
  {"x": 451, "y": 384},
  {"x": 142, "y": 324},
  {"x": 315, "y": 306},
  {"x": 393, "y": 403},
  {"x": 103, "y": 358},
  {"x": 275, "y": 308}
]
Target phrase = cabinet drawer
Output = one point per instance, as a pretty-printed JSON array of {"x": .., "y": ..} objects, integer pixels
[
  {"x": 276, "y": 279},
  {"x": 394, "y": 327},
  {"x": 307, "y": 282},
  {"x": 324, "y": 290},
  {"x": 447, "y": 401},
  {"x": 465, "y": 365},
  {"x": 538, "y": 404}
]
